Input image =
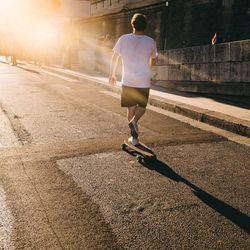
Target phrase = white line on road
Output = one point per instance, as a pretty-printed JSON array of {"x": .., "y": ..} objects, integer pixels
[
  {"x": 59, "y": 76},
  {"x": 203, "y": 126}
]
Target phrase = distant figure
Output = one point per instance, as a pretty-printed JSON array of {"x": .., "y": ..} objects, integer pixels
[
  {"x": 11, "y": 50},
  {"x": 108, "y": 41},
  {"x": 98, "y": 54},
  {"x": 137, "y": 51},
  {"x": 216, "y": 38},
  {"x": 107, "y": 51},
  {"x": 13, "y": 60}
]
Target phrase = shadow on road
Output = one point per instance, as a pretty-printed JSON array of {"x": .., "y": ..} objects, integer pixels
[
  {"x": 29, "y": 70},
  {"x": 3, "y": 62},
  {"x": 234, "y": 215}
]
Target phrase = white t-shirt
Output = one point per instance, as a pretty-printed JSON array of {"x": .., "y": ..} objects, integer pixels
[{"x": 136, "y": 51}]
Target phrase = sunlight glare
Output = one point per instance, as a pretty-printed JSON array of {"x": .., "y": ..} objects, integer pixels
[{"x": 26, "y": 22}]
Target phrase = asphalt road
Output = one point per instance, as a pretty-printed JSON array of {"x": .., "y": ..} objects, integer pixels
[{"x": 66, "y": 184}]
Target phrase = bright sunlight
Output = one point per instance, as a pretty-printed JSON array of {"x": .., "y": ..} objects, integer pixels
[{"x": 27, "y": 26}]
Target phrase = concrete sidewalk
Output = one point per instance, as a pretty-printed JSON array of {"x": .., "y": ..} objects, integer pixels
[{"x": 229, "y": 114}]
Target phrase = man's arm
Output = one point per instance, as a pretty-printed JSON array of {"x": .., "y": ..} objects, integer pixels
[
  {"x": 153, "y": 71},
  {"x": 152, "y": 61},
  {"x": 113, "y": 67}
]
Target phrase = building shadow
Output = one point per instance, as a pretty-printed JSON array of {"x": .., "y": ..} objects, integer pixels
[
  {"x": 29, "y": 70},
  {"x": 174, "y": 92},
  {"x": 3, "y": 62},
  {"x": 231, "y": 213},
  {"x": 237, "y": 101}
]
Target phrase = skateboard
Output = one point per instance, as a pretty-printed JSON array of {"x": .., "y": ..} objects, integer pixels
[{"x": 142, "y": 152}]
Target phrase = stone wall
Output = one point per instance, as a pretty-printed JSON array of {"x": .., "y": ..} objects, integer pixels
[
  {"x": 226, "y": 62},
  {"x": 210, "y": 66}
]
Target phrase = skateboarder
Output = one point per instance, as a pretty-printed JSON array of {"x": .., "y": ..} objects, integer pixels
[{"x": 137, "y": 52}]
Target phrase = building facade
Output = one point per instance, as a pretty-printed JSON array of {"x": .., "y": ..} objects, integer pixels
[
  {"x": 173, "y": 23},
  {"x": 183, "y": 30},
  {"x": 75, "y": 9}
]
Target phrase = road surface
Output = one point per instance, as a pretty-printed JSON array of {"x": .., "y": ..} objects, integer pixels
[{"x": 66, "y": 184}]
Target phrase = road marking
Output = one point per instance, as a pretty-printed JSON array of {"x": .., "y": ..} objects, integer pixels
[
  {"x": 59, "y": 76},
  {"x": 203, "y": 126}
]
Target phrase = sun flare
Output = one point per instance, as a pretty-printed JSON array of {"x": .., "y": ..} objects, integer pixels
[{"x": 26, "y": 23}]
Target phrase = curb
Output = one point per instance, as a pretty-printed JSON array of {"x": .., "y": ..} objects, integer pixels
[{"x": 219, "y": 120}]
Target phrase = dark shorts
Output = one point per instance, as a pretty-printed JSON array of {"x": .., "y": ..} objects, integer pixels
[{"x": 134, "y": 96}]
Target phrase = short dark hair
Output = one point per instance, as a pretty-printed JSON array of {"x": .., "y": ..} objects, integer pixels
[{"x": 139, "y": 22}]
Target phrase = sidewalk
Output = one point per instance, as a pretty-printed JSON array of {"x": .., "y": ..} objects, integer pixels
[{"x": 228, "y": 113}]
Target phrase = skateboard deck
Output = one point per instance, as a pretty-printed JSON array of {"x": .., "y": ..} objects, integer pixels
[{"x": 140, "y": 151}]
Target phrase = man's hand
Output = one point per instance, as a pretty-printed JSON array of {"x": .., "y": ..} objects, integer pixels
[
  {"x": 113, "y": 66},
  {"x": 112, "y": 80}
]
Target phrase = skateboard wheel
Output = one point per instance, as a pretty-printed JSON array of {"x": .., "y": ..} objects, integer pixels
[
  {"x": 148, "y": 160},
  {"x": 123, "y": 146},
  {"x": 154, "y": 158},
  {"x": 139, "y": 159}
]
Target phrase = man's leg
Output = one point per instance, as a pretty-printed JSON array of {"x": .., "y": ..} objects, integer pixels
[
  {"x": 132, "y": 124},
  {"x": 142, "y": 99},
  {"x": 139, "y": 112},
  {"x": 131, "y": 112},
  {"x": 135, "y": 112}
]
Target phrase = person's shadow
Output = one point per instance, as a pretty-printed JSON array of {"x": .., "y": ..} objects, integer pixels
[{"x": 234, "y": 215}]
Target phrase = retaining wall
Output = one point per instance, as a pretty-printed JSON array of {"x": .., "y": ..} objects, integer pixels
[{"x": 224, "y": 68}]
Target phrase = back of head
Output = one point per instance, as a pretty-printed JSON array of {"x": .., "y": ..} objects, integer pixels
[{"x": 139, "y": 22}]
